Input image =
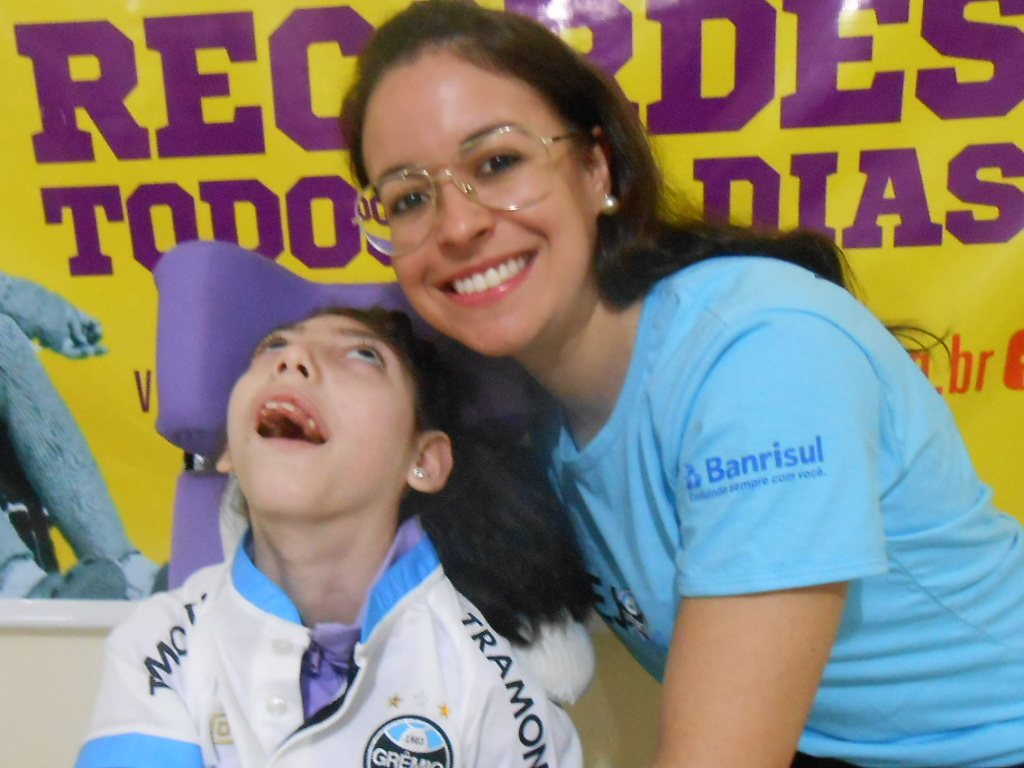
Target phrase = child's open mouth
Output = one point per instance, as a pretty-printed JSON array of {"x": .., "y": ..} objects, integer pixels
[{"x": 285, "y": 419}]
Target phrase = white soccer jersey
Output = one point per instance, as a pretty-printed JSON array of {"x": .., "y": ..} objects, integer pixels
[{"x": 207, "y": 676}]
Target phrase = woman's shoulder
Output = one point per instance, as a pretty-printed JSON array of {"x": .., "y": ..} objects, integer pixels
[
  {"x": 718, "y": 300},
  {"x": 735, "y": 284},
  {"x": 718, "y": 319}
]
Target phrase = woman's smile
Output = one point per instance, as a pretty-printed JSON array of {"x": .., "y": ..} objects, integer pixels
[{"x": 501, "y": 276}]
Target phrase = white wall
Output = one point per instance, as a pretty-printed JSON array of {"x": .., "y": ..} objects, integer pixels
[
  {"x": 618, "y": 716},
  {"x": 48, "y": 677}
]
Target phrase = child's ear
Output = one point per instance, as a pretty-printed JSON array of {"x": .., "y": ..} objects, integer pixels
[
  {"x": 224, "y": 465},
  {"x": 433, "y": 463}
]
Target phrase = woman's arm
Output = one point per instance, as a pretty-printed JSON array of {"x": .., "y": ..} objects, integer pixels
[{"x": 742, "y": 675}]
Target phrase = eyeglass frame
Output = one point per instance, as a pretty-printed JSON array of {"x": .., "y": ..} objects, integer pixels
[{"x": 437, "y": 178}]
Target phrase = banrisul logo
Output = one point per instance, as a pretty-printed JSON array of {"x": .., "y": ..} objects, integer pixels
[{"x": 777, "y": 463}]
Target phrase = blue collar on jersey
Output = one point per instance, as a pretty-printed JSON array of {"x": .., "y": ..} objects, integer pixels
[{"x": 401, "y": 578}]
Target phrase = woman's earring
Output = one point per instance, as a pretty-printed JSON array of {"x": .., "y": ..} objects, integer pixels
[
  {"x": 610, "y": 205},
  {"x": 419, "y": 473}
]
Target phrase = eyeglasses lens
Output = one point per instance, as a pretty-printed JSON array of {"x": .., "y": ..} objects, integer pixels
[{"x": 505, "y": 169}]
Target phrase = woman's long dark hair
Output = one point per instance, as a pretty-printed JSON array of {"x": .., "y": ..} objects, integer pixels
[
  {"x": 503, "y": 537},
  {"x": 651, "y": 236}
]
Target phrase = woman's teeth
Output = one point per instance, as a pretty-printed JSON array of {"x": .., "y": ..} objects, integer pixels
[{"x": 492, "y": 278}]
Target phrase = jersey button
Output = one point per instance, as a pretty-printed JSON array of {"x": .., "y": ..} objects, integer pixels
[{"x": 276, "y": 705}]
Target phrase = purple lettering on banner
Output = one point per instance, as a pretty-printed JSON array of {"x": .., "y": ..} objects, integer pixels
[
  {"x": 1008, "y": 199},
  {"x": 944, "y": 26},
  {"x": 140, "y": 219},
  {"x": 51, "y": 46},
  {"x": 609, "y": 20},
  {"x": 821, "y": 50},
  {"x": 289, "y": 61},
  {"x": 909, "y": 201},
  {"x": 187, "y": 134},
  {"x": 223, "y": 197},
  {"x": 718, "y": 175},
  {"x": 813, "y": 171},
  {"x": 299, "y": 203},
  {"x": 82, "y": 203},
  {"x": 683, "y": 109}
]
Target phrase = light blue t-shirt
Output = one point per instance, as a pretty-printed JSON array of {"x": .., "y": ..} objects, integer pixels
[{"x": 773, "y": 434}]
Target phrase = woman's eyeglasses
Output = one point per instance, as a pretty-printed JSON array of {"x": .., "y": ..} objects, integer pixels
[{"x": 505, "y": 169}]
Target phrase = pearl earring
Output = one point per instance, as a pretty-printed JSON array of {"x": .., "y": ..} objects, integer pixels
[
  {"x": 419, "y": 473},
  {"x": 610, "y": 205}
]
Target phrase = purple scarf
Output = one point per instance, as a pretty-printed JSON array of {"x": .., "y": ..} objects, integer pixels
[{"x": 327, "y": 665}]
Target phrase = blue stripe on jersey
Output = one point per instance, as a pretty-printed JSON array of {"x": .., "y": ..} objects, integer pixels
[
  {"x": 135, "y": 750},
  {"x": 403, "y": 577}
]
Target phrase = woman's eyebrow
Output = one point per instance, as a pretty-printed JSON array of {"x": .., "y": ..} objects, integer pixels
[
  {"x": 398, "y": 169},
  {"x": 483, "y": 132},
  {"x": 468, "y": 140}
]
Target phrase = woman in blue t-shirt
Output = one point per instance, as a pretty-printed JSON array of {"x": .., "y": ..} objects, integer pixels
[{"x": 784, "y": 522}]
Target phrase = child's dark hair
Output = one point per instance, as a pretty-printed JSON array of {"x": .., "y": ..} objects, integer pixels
[{"x": 503, "y": 537}]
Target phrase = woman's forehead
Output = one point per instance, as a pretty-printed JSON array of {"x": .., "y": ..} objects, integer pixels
[{"x": 436, "y": 102}]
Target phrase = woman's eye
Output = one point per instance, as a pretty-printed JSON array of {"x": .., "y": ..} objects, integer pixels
[
  {"x": 404, "y": 193},
  {"x": 498, "y": 163},
  {"x": 408, "y": 203},
  {"x": 367, "y": 354}
]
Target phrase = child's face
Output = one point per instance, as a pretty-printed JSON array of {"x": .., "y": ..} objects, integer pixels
[{"x": 322, "y": 423}]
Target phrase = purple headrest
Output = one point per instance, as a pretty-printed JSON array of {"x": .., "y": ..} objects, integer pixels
[{"x": 216, "y": 302}]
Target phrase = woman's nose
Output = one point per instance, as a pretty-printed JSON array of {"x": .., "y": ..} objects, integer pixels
[{"x": 461, "y": 219}]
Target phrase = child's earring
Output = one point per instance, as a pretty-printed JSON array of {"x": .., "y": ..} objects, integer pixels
[
  {"x": 610, "y": 205},
  {"x": 419, "y": 473}
]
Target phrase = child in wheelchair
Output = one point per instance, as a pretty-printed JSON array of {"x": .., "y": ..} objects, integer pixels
[{"x": 407, "y": 587}]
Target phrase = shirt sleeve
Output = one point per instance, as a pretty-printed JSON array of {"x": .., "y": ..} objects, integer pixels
[
  {"x": 140, "y": 719},
  {"x": 510, "y": 723},
  {"x": 780, "y": 462},
  {"x": 518, "y": 726}
]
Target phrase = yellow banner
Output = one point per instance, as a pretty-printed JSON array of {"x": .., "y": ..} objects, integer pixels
[{"x": 893, "y": 125}]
